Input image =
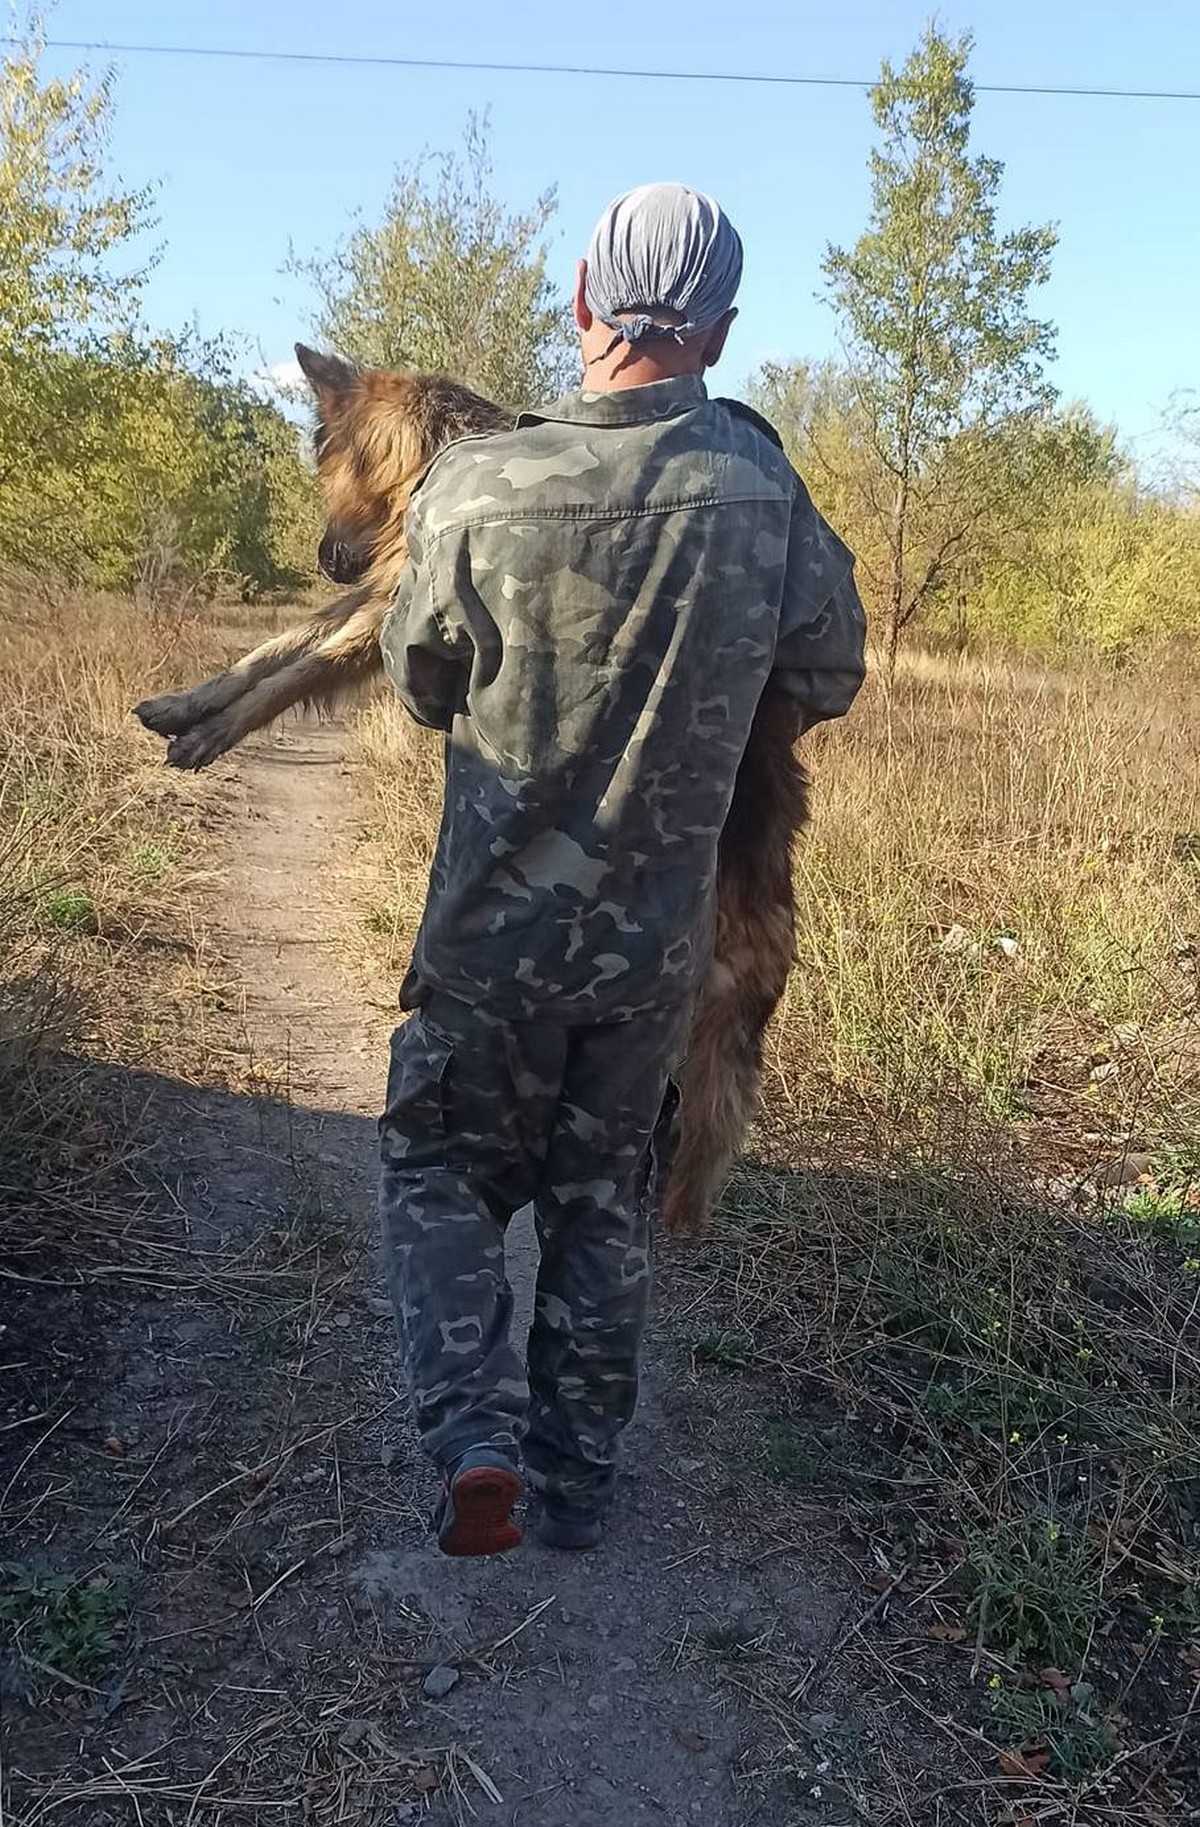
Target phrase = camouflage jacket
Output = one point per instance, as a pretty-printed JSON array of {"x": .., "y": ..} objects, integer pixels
[{"x": 594, "y": 603}]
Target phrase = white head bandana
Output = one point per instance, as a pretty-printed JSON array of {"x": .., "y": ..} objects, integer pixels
[{"x": 659, "y": 247}]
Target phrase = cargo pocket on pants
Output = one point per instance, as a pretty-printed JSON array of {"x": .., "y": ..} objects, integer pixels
[{"x": 412, "y": 1129}]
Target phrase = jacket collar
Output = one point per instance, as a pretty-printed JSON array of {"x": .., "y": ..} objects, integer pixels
[{"x": 626, "y": 406}]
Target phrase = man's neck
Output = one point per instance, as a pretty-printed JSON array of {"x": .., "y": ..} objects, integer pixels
[{"x": 626, "y": 368}]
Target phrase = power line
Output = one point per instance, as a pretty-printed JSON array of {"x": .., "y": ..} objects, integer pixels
[{"x": 362, "y": 61}]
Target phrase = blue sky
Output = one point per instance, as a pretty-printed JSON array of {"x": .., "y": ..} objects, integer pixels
[{"x": 252, "y": 157}]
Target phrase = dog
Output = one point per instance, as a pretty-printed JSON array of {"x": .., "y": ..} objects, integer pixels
[{"x": 376, "y": 434}]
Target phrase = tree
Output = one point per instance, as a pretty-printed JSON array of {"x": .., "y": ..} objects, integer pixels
[
  {"x": 1083, "y": 557},
  {"x": 61, "y": 220},
  {"x": 1181, "y": 424},
  {"x": 449, "y": 280},
  {"x": 65, "y": 234},
  {"x": 185, "y": 478},
  {"x": 815, "y": 408},
  {"x": 120, "y": 456},
  {"x": 933, "y": 301}
]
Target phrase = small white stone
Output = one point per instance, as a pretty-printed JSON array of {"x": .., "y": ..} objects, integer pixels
[{"x": 955, "y": 942}]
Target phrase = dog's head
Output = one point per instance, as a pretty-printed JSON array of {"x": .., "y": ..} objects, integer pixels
[{"x": 376, "y": 433}]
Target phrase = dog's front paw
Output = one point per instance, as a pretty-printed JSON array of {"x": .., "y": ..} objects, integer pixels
[
  {"x": 205, "y": 742},
  {"x": 166, "y": 716}
]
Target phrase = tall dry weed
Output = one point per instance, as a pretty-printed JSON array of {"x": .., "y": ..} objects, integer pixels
[{"x": 97, "y": 849}]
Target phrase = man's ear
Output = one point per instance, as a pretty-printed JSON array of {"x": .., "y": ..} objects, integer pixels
[
  {"x": 583, "y": 317},
  {"x": 714, "y": 346},
  {"x": 327, "y": 375}
]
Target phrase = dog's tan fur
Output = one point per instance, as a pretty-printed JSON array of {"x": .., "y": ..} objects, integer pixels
[{"x": 376, "y": 434}]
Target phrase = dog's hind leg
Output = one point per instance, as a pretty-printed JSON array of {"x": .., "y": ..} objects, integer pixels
[{"x": 721, "y": 1072}]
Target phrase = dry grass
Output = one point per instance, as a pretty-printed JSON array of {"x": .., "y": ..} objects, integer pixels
[
  {"x": 998, "y": 909},
  {"x": 402, "y": 777},
  {"x": 964, "y": 1269},
  {"x": 995, "y": 1401},
  {"x": 329, "y": 1759},
  {"x": 98, "y": 861},
  {"x": 938, "y": 1307}
]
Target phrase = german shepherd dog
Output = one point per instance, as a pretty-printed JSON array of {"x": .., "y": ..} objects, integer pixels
[{"x": 376, "y": 434}]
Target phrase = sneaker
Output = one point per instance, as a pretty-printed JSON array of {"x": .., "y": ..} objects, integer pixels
[
  {"x": 572, "y": 1530},
  {"x": 474, "y": 1514}
]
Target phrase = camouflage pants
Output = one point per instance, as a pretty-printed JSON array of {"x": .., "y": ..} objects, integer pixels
[{"x": 484, "y": 1116}]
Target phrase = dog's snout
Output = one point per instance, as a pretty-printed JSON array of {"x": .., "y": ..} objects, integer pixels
[{"x": 338, "y": 561}]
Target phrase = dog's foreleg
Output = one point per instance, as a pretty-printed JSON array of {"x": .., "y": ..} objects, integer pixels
[
  {"x": 176, "y": 712},
  {"x": 345, "y": 660}
]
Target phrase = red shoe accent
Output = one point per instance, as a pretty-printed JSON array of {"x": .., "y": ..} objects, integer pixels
[{"x": 481, "y": 1506}]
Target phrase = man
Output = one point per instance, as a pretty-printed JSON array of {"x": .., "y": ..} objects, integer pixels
[{"x": 594, "y": 605}]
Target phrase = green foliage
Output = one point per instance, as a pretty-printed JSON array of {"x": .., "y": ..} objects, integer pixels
[
  {"x": 1066, "y": 554},
  {"x": 1105, "y": 570},
  {"x": 933, "y": 296},
  {"x": 62, "y": 1623},
  {"x": 933, "y": 305},
  {"x": 63, "y": 233},
  {"x": 70, "y": 910},
  {"x": 449, "y": 280},
  {"x": 178, "y": 476},
  {"x": 62, "y": 225},
  {"x": 145, "y": 464},
  {"x": 1036, "y": 1590},
  {"x": 150, "y": 862},
  {"x": 797, "y": 1453},
  {"x": 1153, "y": 1207},
  {"x": 727, "y": 1350},
  {"x": 814, "y": 407},
  {"x": 1168, "y": 1205},
  {"x": 123, "y": 462},
  {"x": 1078, "y": 1742}
]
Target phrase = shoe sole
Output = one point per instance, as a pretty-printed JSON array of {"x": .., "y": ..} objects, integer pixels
[{"x": 481, "y": 1506}]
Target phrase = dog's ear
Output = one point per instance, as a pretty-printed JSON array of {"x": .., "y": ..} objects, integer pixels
[{"x": 327, "y": 375}]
